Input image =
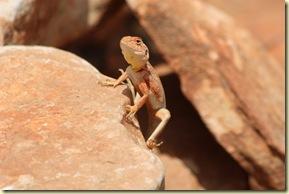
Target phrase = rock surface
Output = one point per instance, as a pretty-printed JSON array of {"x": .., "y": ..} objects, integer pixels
[
  {"x": 47, "y": 22},
  {"x": 266, "y": 25},
  {"x": 178, "y": 176},
  {"x": 60, "y": 129},
  {"x": 234, "y": 83}
]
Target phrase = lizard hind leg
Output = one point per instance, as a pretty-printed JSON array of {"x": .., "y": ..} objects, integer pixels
[{"x": 164, "y": 115}]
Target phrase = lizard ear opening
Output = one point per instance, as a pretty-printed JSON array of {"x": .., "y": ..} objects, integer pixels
[{"x": 147, "y": 54}]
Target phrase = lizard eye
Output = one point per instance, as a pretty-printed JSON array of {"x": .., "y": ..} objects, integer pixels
[{"x": 138, "y": 41}]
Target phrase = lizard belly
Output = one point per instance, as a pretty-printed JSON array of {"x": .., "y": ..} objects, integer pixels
[
  {"x": 154, "y": 103},
  {"x": 145, "y": 83}
]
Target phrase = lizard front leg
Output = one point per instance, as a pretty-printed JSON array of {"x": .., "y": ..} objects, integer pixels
[
  {"x": 124, "y": 76},
  {"x": 119, "y": 80}
]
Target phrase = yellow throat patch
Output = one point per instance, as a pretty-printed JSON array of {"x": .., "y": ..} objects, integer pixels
[{"x": 136, "y": 62}]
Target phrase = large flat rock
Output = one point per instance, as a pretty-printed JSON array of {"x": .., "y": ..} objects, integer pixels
[{"x": 61, "y": 129}]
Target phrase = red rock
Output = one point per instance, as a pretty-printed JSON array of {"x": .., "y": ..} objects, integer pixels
[
  {"x": 232, "y": 81},
  {"x": 271, "y": 19},
  {"x": 60, "y": 129},
  {"x": 48, "y": 22},
  {"x": 178, "y": 176}
]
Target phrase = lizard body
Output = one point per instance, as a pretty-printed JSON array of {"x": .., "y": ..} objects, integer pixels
[{"x": 147, "y": 84}]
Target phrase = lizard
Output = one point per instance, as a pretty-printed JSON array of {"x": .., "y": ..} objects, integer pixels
[{"x": 146, "y": 82}]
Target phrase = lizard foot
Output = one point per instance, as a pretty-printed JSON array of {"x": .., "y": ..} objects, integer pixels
[
  {"x": 109, "y": 82},
  {"x": 152, "y": 144},
  {"x": 131, "y": 111}
]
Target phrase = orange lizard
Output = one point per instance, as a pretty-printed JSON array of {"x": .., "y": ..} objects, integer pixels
[{"x": 147, "y": 84}]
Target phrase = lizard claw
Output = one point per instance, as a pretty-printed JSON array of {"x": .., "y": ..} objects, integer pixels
[
  {"x": 152, "y": 144},
  {"x": 131, "y": 111}
]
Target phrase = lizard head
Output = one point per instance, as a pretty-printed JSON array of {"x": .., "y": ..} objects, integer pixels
[{"x": 134, "y": 51}]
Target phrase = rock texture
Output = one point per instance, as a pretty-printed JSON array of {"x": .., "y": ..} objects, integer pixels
[
  {"x": 178, "y": 176},
  {"x": 60, "y": 129},
  {"x": 235, "y": 85},
  {"x": 266, "y": 25},
  {"x": 50, "y": 22}
]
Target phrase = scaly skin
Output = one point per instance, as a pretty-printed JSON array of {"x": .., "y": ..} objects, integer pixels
[{"x": 146, "y": 83}]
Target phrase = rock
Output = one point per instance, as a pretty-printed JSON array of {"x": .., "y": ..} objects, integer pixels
[
  {"x": 233, "y": 82},
  {"x": 61, "y": 129},
  {"x": 178, "y": 176},
  {"x": 271, "y": 19},
  {"x": 47, "y": 22}
]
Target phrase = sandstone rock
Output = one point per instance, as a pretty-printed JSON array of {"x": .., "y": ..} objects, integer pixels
[
  {"x": 178, "y": 176},
  {"x": 60, "y": 129},
  {"x": 236, "y": 86},
  {"x": 266, "y": 25},
  {"x": 50, "y": 22}
]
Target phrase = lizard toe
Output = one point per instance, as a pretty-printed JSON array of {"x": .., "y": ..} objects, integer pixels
[
  {"x": 108, "y": 82},
  {"x": 152, "y": 144}
]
